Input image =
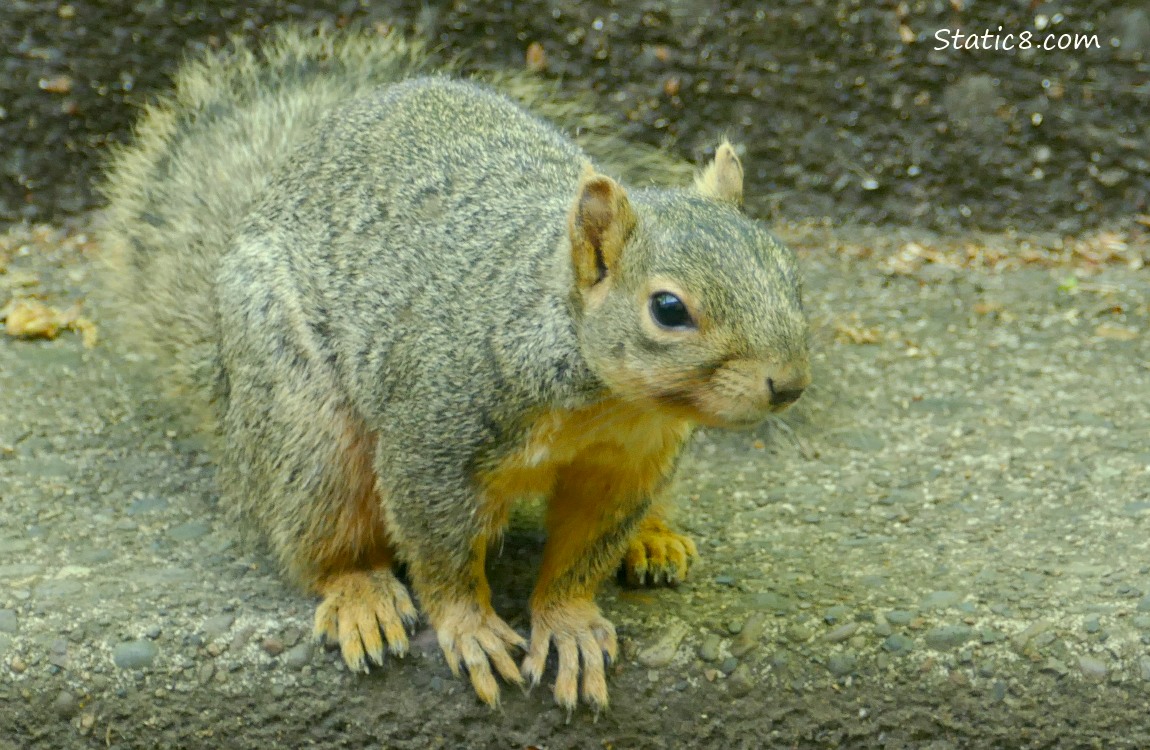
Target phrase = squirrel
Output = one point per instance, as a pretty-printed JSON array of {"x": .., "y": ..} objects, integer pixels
[{"x": 406, "y": 301}]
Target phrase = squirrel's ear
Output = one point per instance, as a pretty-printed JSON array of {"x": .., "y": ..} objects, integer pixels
[
  {"x": 601, "y": 219},
  {"x": 722, "y": 180}
]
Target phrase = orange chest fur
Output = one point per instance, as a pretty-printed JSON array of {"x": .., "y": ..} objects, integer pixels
[{"x": 634, "y": 447}]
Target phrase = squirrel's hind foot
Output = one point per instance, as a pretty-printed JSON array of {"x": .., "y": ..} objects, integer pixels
[
  {"x": 658, "y": 555},
  {"x": 357, "y": 606}
]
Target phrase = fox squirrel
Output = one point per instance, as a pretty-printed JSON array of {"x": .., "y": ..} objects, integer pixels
[{"x": 409, "y": 302}]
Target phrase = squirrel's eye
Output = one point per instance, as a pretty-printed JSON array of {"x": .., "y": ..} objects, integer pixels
[{"x": 669, "y": 311}]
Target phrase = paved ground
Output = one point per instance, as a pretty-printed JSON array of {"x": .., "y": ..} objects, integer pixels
[{"x": 947, "y": 547}]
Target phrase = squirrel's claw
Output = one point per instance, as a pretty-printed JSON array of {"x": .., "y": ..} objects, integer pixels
[
  {"x": 582, "y": 637},
  {"x": 478, "y": 640},
  {"x": 658, "y": 555},
  {"x": 361, "y": 611}
]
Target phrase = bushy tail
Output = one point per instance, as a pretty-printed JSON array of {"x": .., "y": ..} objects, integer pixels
[{"x": 200, "y": 155}]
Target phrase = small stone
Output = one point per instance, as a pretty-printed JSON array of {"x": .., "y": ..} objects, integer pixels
[
  {"x": 241, "y": 638},
  {"x": 65, "y": 705},
  {"x": 153, "y": 632},
  {"x": 298, "y": 656},
  {"x": 948, "y": 637},
  {"x": 17, "y": 665},
  {"x": 1056, "y": 666},
  {"x": 1091, "y": 624},
  {"x": 662, "y": 652},
  {"x": 898, "y": 644},
  {"x": 709, "y": 650},
  {"x": 899, "y": 617},
  {"x": 1144, "y": 668},
  {"x": 1019, "y": 640},
  {"x": 939, "y": 600},
  {"x": 205, "y": 673},
  {"x": 841, "y": 633},
  {"x": 729, "y": 664},
  {"x": 835, "y": 613},
  {"x": 272, "y": 646},
  {"x": 1144, "y": 604},
  {"x": 725, "y": 580},
  {"x": 218, "y": 625},
  {"x": 146, "y": 505},
  {"x": 841, "y": 665},
  {"x": 798, "y": 634},
  {"x": 653, "y": 676},
  {"x": 1093, "y": 669},
  {"x": 741, "y": 681},
  {"x": 769, "y": 601},
  {"x": 187, "y": 532},
  {"x": 134, "y": 654},
  {"x": 8, "y": 622},
  {"x": 748, "y": 638}
]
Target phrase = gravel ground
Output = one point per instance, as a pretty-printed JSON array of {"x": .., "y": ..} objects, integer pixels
[{"x": 946, "y": 547}]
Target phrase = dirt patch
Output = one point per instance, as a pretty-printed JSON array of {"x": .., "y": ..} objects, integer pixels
[{"x": 846, "y": 109}]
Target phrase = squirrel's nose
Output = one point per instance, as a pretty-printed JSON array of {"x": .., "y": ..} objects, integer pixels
[{"x": 787, "y": 386}]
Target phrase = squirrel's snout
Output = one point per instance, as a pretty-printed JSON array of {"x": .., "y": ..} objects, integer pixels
[{"x": 787, "y": 385}]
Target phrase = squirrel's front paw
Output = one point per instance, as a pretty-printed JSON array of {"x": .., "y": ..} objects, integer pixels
[
  {"x": 476, "y": 637},
  {"x": 355, "y": 607},
  {"x": 580, "y": 633},
  {"x": 658, "y": 555}
]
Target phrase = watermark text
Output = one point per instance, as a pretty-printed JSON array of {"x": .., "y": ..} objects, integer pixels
[{"x": 956, "y": 39}]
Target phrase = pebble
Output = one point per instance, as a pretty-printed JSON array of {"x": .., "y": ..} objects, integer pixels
[
  {"x": 748, "y": 637},
  {"x": 898, "y": 644},
  {"x": 729, "y": 664},
  {"x": 899, "y": 617},
  {"x": 8, "y": 622},
  {"x": 134, "y": 654},
  {"x": 1092, "y": 624},
  {"x": 272, "y": 646},
  {"x": 769, "y": 601},
  {"x": 948, "y": 637},
  {"x": 835, "y": 613},
  {"x": 298, "y": 656},
  {"x": 841, "y": 633},
  {"x": 1019, "y": 640},
  {"x": 741, "y": 681},
  {"x": 187, "y": 532},
  {"x": 799, "y": 634},
  {"x": 218, "y": 625},
  {"x": 1093, "y": 669},
  {"x": 1144, "y": 604},
  {"x": 709, "y": 650},
  {"x": 153, "y": 632},
  {"x": 1056, "y": 666},
  {"x": 663, "y": 651},
  {"x": 841, "y": 665},
  {"x": 65, "y": 704},
  {"x": 1144, "y": 668},
  {"x": 939, "y": 600}
]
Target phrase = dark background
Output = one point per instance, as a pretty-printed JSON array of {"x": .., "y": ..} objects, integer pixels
[{"x": 841, "y": 117}]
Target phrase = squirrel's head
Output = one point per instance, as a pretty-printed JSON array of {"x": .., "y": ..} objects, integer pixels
[{"x": 685, "y": 302}]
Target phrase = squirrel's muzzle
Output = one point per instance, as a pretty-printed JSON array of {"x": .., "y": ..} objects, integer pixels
[{"x": 786, "y": 384}]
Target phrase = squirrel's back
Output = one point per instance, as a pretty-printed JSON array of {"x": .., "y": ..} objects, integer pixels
[{"x": 178, "y": 194}]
